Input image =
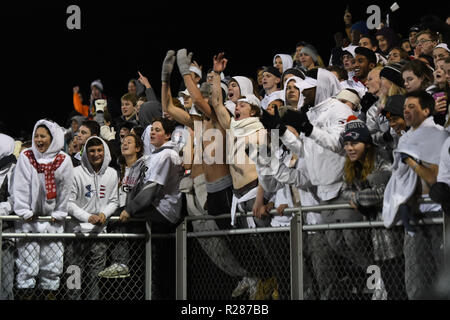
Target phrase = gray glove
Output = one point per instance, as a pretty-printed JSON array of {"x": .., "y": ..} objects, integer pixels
[
  {"x": 184, "y": 61},
  {"x": 167, "y": 66}
]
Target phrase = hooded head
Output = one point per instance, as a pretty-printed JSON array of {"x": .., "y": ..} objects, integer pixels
[
  {"x": 245, "y": 87},
  {"x": 286, "y": 60},
  {"x": 301, "y": 85},
  {"x": 7, "y": 145},
  {"x": 91, "y": 144},
  {"x": 57, "y": 140}
]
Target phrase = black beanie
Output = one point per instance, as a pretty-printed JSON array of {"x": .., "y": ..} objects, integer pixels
[
  {"x": 393, "y": 73},
  {"x": 394, "y": 105},
  {"x": 356, "y": 131},
  {"x": 273, "y": 71}
]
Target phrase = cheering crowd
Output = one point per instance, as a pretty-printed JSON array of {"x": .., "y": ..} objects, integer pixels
[{"x": 369, "y": 129}]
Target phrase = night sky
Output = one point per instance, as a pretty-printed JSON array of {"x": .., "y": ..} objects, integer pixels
[{"x": 43, "y": 60}]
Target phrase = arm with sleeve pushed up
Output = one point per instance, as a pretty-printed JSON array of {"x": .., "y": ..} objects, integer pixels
[{"x": 178, "y": 114}]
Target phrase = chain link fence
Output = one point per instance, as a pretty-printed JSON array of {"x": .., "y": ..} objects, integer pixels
[
  {"x": 342, "y": 261},
  {"x": 67, "y": 266}
]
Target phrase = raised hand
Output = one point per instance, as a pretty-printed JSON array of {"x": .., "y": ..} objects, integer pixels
[
  {"x": 219, "y": 62},
  {"x": 143, "y": 80},
  {"x": 184, "y": 61},
  {"x": 167, "y": 65}
]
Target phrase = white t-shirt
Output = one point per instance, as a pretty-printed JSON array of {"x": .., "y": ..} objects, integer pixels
[{"x": 164, "y": 168}]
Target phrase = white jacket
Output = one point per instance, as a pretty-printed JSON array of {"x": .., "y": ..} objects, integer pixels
[
  {"x": 323, "y": 149},
  {"x": 30, "y": 196},
  {"x": 92, "y": 192},
  {"x": 7, "y": 173}
]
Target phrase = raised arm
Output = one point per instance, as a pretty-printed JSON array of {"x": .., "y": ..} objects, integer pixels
[
  {"x": 178, "y": 114},
  {"x": 184, "y": 61},
  {"x": 217, "y": 102}
]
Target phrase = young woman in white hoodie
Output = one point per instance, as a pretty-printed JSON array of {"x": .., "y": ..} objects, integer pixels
[
  {"x": 93, "y": 199},
  {"x": 43, "y": 176}
]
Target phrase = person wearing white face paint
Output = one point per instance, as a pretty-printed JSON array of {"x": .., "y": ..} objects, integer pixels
[{"x": 43, "y": 177}]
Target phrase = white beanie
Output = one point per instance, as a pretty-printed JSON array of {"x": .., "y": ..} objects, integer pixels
[{"x": 97, "y": 83}]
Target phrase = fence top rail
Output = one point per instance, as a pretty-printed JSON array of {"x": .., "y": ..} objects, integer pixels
[
  {"x": 68, "y": 218},
  {"x": 287, "y": 211}
]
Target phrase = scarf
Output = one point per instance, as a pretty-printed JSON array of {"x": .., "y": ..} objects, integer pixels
[{"x": 48, "y": 170}]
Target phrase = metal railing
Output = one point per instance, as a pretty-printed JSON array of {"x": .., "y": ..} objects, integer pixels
[{"x": 200, "y": 276}]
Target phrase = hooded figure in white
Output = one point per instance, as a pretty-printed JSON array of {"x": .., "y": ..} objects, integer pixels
[
  {"x": 41, "y": 188},
  {"x": 286, "y": 60},
  {"x": 245, "y": 88},
  {"x": 92, "y": 192}
]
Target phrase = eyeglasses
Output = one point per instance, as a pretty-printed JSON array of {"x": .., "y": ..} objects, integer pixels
[{"x": 421, "y": 42}]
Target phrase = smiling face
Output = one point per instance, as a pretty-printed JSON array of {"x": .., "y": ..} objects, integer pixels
[
  {"x": 96, "y": 155},
  {"x": 382, "y": 43},
  {"x": 354, "y": 150},
  {"x": 362, "y": 67},
  {"x": 413, "y": 113},
  {"x": 42, "y": 139},
  {"x": 397, "y": 124},
  {"x": 158, "y": 136}
]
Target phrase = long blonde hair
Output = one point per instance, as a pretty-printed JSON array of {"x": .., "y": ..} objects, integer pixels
[
  {"x": 358, "y": 170},
  {"x": 393, "y": 90}
]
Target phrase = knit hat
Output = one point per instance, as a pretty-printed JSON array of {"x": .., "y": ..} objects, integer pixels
[
  {"x": 310, "y": 51},
  {"x": 273, "y": 70},
  {"x": 393, "y": 73},
  {"x": 394, "y": 105},
  {"x": 349, "y": 96},
  {"x": 296, "y": 72},
  {"x": 356, "y": 131},
  {"x": 369, "y": 54},
  {"x": 98, "y": 84}
]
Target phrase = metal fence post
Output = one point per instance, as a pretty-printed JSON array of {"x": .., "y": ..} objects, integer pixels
[
  {"x": 148, "y": 263},
  {"x": 296, "y": 256},
  {"x": 181, "y": 261}
]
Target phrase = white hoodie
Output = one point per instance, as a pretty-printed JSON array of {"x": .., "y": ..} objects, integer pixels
[
  {"x": 92, "y": 192},
  {"x": 6, "y": 149},
  {"x": 286, "y": 60},
  {"x": 30, "y": 196}
]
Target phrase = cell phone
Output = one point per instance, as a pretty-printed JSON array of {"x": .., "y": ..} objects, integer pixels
[{"x": 438, "y": 94}]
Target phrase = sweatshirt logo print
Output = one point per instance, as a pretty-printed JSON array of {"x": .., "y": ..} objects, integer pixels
[{"x": 90, "y": 192}]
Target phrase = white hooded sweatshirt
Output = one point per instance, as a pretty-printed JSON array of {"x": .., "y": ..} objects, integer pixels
[
  {"x": 29, "y": 188},
  {"x": 92, "y": 192},
  {"x": 286, "y": 59},
  {"x": 322, "y": 151}
]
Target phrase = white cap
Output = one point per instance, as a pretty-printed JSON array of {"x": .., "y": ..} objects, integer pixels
[
  {"x": 196, "y": 70},
  {"x": 350, "y": 49},
  {"x": 443, "y": 46},
  {"x": 251, "y": 99}
]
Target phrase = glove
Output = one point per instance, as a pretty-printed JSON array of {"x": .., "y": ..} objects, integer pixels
[
  {"x": 367, "y": 101},
  {"x": 100, "y": 105},
  {"x": 298, "y": 120},
  {"x": 387, "y": 137},
  {"x": 167, "y": 66},
  {"x": 273, "y": 122},
  {"x": 184, "y": 61}
]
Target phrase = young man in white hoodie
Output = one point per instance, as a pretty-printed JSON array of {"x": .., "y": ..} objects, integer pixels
[{"x": 93, "y": 199}]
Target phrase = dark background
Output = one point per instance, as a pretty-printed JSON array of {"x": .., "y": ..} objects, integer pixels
[{"x": 43, "y": 60}]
